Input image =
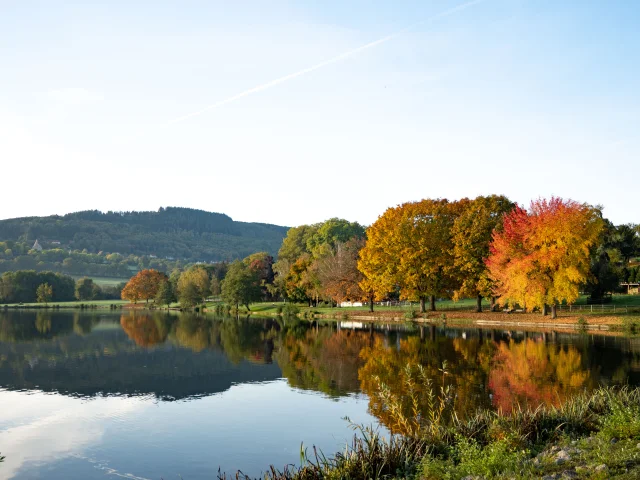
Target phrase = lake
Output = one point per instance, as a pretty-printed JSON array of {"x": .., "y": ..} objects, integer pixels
[{"x": 156, "y": 395}]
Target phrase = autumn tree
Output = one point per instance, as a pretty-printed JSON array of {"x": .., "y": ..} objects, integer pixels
[
  {"x": 541, "y": 257},
  {"x": 338, "y": 271},
  {"x": 296, "y": 271},
  {"x": 409, "y": 246},
  {"x": 193, "y": 286},
  {"x": 471, "y": 234},
  {"x": 262, "y": 264},
  {"x": 143, "y": 286},
  {"x": 44, "y": 293},
  {"x": 241, "y": 286}
]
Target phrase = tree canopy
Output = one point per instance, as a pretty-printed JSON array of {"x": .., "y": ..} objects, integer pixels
[{"x": 542, "y": 256}]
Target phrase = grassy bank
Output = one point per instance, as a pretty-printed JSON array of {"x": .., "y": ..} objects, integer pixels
[
  {"x": 592, "y": 436},
  {"x": 74, "y": 304}
]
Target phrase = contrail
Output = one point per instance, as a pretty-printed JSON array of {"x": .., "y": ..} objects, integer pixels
[{"x": 335, "y": 59}]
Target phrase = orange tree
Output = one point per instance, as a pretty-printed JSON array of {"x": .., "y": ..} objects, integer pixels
[
  {"x": 541, "y": 257},
  {"x": 409, "y": 247},
  {"x": 471, "y": 234},
  {"x": 338, "y": 271},
  {"x": 143, "y": 286}
]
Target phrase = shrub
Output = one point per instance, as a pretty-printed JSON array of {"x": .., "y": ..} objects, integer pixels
[
  {"x": 290, "y": 310},
  {"x": 410, "y": 314}
]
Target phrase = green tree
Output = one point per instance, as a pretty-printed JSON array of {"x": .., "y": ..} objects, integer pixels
[
  {"x": 86, "y": 289},
  {"x": 165, "y": 295},
  {"x": 44, "y": 293},
  {"x": 241, "y": 286}
]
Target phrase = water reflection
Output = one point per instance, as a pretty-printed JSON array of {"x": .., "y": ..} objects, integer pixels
[
  {"x": 179, "y": 356},
  {"x": 532, "y": 373},
  {"x": 166, "y": 387}
]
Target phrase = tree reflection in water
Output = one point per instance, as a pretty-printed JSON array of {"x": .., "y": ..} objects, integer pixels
[
  {"x": 532, "y": 373},
  {"x": 484, "y": 369}
]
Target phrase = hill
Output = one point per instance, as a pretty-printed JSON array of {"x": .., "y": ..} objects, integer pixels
[{"x": 173, "y": 233}]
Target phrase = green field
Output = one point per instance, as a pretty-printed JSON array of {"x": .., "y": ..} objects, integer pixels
[
  {"x": 99, "y": 303},
  {"x": 105, "y": 281}
]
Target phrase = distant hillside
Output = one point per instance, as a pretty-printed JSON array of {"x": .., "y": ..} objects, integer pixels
[{"x": 177, "y": 233}]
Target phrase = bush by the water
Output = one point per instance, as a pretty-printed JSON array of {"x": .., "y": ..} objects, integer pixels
[
  {"x": 592, "y": 435},
  {"x": 290, "y": 310}
]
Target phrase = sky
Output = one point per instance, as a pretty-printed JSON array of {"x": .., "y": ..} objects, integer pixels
[{"x": 292, "y": 112}]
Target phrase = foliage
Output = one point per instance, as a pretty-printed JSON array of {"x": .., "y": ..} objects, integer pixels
[
  {"x": 290, "y": 310},
  {"x": 471, "y": 235},
  {"x": 338, "y": 271},
  {"x": 44, "y": 293},
  {"x": 242, "y": 285},
  {"x": 183, "y": 233},
  {"x": 87, "y": 289},
  {"x": 261, "y": 264},
  {"x": 143, "y": 286},
  {"x": 166, "y": 295},
  {"x": 542, "y": 257},
  {"x": 297, "y": 271},
  {"x": 21, "y": 286},
  {"x": 193, "y": 286},
  {"x": 409, "y": 247}
]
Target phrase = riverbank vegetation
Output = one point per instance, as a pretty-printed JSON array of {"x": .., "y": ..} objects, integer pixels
[
  {"x": 486, "y": 250},
  {"x": 591, "y": 436}
]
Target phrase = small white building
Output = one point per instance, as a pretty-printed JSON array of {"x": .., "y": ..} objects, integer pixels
[
  {"x": 351, "y": 304},
  {"x": 37, "y": 246}
]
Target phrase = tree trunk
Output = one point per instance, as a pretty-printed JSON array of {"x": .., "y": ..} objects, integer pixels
[
  {"x": 479, "y": 304},
  {"x": 545, "y": 310},
  {"x": 493, "y": 303},
  {"x": 432, "y": 300},
  {"x": 554, "y": 312},
  {"x": 371, "y": 303},
  {"x": 247, "y": 305},
  {"x": 423, "y": 306}
]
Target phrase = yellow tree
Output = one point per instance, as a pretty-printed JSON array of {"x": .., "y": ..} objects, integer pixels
[
  {"x": 541, "y": 257},
  {"x": 471, "y": 235},
  {"x": 193, "y": 286},
  {"x": 409, "y": 246}
]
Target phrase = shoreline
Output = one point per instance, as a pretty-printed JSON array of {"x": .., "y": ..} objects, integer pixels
[{"x": 591, "y": 322}]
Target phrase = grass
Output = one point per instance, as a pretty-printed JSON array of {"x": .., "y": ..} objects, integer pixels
[
  {"x": 272, "y": 308},
  {"x": 618, "y": 300},
  {"x": 98, "y": 303},
  {"x": 106, "y": 281},
  {"x": 591, "y": 436}
]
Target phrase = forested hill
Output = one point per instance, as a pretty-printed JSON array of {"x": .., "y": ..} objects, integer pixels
[{"x": 180, "y": 233}]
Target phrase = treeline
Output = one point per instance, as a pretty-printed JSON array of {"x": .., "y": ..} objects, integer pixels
[
  {"x": 21, "y": 256},
  {"x": 241, "y": 282},
  {"x": 173, "y": 233},
  {"x": 484, "y": 247},
  {"x": 28, "y": 286},
  {"x": 487, "y": 247}
]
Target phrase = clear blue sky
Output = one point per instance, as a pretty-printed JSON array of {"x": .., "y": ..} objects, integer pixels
[{"x": 524, "y": 98}]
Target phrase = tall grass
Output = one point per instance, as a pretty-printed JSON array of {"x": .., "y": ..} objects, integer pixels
[{"x": 439, "y": 445}]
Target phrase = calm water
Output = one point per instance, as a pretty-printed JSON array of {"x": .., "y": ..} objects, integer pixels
[{"x": 150, "y": 396}]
